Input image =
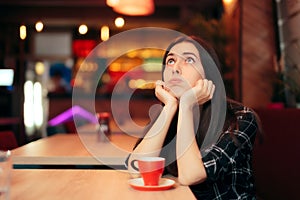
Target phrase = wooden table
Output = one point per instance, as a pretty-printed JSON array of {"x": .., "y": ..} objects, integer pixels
[
  {"x": 84, "y": 184},
  {"x": 81, "y": 150}
]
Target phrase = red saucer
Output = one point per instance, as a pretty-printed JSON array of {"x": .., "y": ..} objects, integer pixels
[{"x": 164, "y": 184}]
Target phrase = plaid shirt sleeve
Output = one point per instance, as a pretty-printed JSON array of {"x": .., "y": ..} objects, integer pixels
[{"x": 228, "y": 153}]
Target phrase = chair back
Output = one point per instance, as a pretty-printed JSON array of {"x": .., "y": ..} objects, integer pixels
[{"x": 7, "y": 140}]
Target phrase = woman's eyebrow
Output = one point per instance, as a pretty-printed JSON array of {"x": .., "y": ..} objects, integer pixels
[
  {"x": 170, "y": 54},
  {"x": 190, "y": 53},
  {"x": 184, "y": 53}
]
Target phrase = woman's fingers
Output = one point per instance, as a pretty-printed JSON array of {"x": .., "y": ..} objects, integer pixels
[
  {"x": 160, "y": 82},
  {"x": 163, "y": 94},
  {"x": 205, "y": 90},
  {"x": 212, "y": 91}
]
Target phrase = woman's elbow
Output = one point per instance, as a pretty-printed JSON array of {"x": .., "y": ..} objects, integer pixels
[{"x": 191, "y": 179}]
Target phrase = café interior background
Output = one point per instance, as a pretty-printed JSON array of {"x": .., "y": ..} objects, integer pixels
[{"x": 257, "y": 42}]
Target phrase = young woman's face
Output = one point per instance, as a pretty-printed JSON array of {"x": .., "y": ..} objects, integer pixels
[{"x": 183, "y": 68}]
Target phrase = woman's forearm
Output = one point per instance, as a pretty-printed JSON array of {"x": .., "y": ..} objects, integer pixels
[
  {"x": 189, "y": 160},
  {"x": 153, "y": 140}
]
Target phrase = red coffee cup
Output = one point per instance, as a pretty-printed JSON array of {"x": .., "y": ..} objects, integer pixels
[{"x": 150, "y": 168}]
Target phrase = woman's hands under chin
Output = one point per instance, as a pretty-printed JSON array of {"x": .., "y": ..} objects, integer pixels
[
  {"x": 199, "y": 94},
  {"x": 163, "y": 94}
]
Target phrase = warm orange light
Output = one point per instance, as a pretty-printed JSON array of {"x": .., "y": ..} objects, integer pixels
[
  {"x": 23, "y": 32},
  {"x": 104, "y": 33},
  {"x": 39, "y": 68},
  {"x": 112, "y": 3},
  {"x": 39, "y": 26},
  {"x": 134, "y": 7},
  {"x": 83, "y": 29},
  {"x": 227, "y": 1},
  {"x": 119, "y": 22}
]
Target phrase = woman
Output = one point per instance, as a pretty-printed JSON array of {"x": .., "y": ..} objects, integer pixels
[{"x": 223, "y": 169}]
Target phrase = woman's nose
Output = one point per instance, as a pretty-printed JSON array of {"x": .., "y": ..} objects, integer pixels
[{"x": 177, "y": 68}]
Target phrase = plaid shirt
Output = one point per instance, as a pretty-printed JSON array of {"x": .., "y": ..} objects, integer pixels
[{"x": 228, "y": 165}]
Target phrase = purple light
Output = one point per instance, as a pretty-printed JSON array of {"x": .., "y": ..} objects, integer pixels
[{"x": 70, "y": 114}]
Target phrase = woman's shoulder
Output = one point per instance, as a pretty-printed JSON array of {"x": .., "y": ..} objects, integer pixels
[
  {"x": 236, "y": 107},
  {"x": 239, "y": 110},
  {"x": 248, "y": 121}
]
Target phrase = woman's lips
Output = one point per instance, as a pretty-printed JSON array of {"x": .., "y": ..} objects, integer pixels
[{"x": 175, "y": 81}]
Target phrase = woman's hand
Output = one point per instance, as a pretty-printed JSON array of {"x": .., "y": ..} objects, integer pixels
[
  {"x": 199, "y": 94},
  {"x": 163, "y": 94}
]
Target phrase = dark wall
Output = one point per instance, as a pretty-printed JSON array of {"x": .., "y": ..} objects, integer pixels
[{"x": 276, "y": 154}]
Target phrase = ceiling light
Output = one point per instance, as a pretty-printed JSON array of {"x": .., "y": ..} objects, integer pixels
[
  {"x": 134, "y": 7},
  {"x": 23, "y": 32},
  {"x": 104, "y": 33},
  {"x": 119, "y": 22},
  {"x": 227, "y": 1},
  {"x": 39, "y": 26},
  {"x": 112, "y": 3},
  {"x": 83, "y": 29}
]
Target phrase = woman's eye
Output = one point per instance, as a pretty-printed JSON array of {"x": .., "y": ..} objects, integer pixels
[
  {"x": 190, "y": 60},
  {"x": 170, "y": 61}
]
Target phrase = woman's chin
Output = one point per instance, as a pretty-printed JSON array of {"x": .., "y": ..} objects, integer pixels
[
  {"x": 178, "y": 90},
  {"x": 177, "y": 93}
]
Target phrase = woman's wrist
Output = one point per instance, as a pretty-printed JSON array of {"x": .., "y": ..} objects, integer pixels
[
  {"x": 171, "y": 107},
  {"x": 185, "y": 106}
]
